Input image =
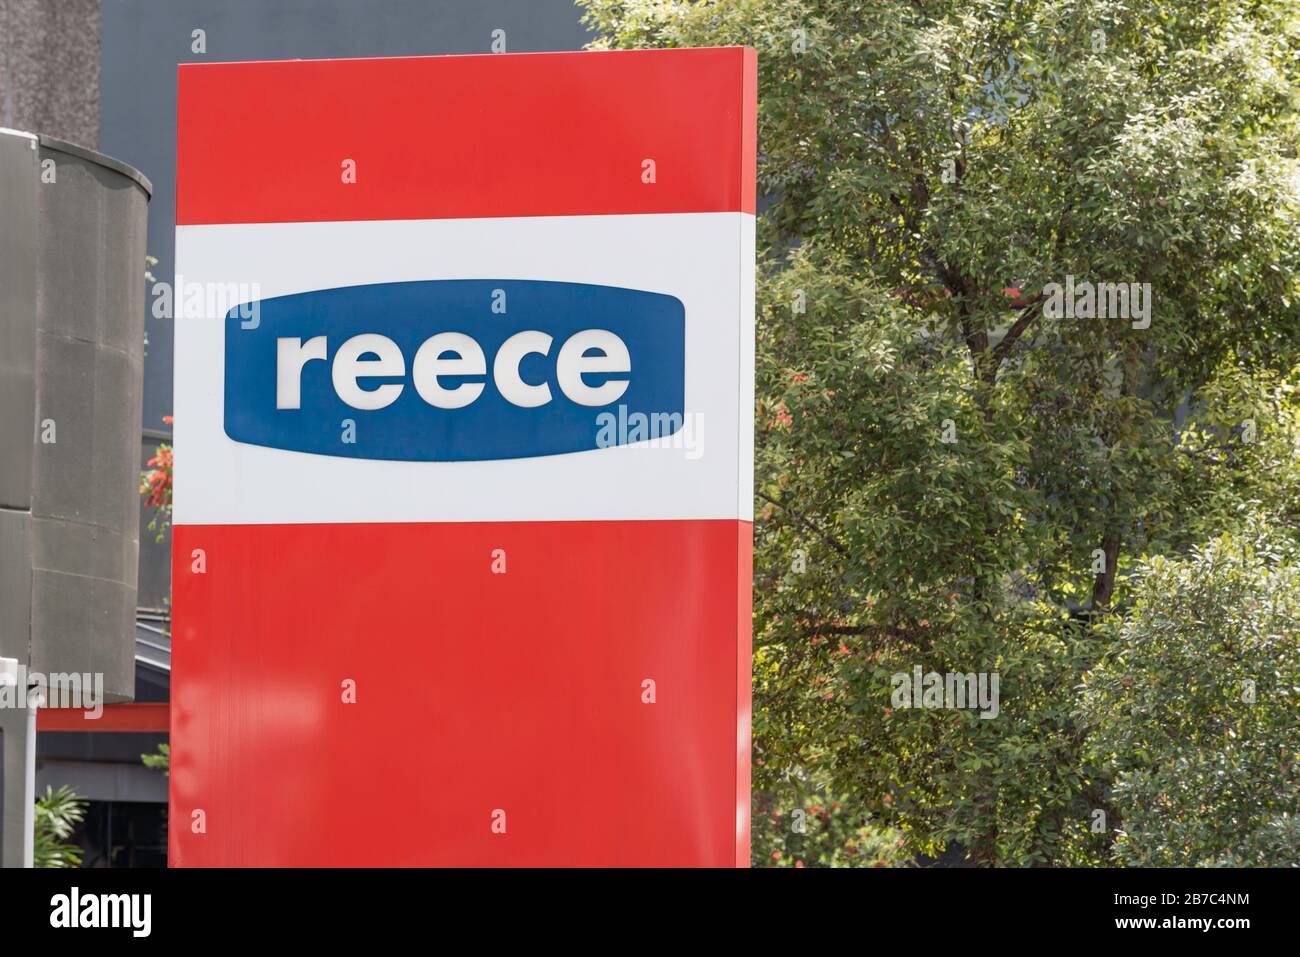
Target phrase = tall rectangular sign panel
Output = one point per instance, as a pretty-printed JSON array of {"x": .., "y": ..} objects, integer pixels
[{"x": 463, "y": 444}]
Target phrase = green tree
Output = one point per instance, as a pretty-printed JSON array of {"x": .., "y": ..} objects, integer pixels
[
  {"x": 1194, "y": 708},
  {"x": 950, "y": 473},
  {"x": 818, "y": 831}
]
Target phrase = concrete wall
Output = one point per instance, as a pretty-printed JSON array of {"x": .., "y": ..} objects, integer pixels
[
  {"x": 71, "y": 374},
  {"x": 49, "y": 68},
  {"x": 70, "y": 382}
]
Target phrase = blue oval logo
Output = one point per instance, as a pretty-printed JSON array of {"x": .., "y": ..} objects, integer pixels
[{"x": 452, "y": 370}]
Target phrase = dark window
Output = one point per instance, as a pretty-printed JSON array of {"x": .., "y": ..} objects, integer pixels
[{"x": 123, "y": 834}]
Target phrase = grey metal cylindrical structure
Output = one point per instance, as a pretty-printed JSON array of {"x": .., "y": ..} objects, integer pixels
[{"x": 72, "y": 290}]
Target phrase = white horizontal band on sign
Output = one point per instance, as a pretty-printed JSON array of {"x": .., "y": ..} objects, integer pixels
[{"x": 704, "y": 259}]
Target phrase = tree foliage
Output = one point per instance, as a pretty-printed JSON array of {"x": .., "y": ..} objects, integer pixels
[
  {"x": 160, "y": 760},
  {"x": 946, "y": 476},
  {"x": 1195, "y": 709}
]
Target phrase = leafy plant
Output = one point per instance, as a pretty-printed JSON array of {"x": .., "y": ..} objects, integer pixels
[
  {"x": 792, "y": 829},
  {"x": 58, "y": 812},
  {"x": 160, "y": 760},
  {"x": 1194, "y": 708}
]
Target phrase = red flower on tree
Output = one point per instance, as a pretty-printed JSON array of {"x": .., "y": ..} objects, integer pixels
[{"x": 156, "y": 485}]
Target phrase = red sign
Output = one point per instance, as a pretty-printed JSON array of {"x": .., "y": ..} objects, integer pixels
[{"x": 464, "y": 416}]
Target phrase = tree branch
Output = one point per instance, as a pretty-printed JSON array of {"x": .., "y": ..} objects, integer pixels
[
  {"x": 1003, "y": 348},
  {"x": 805, "y": 523}
]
